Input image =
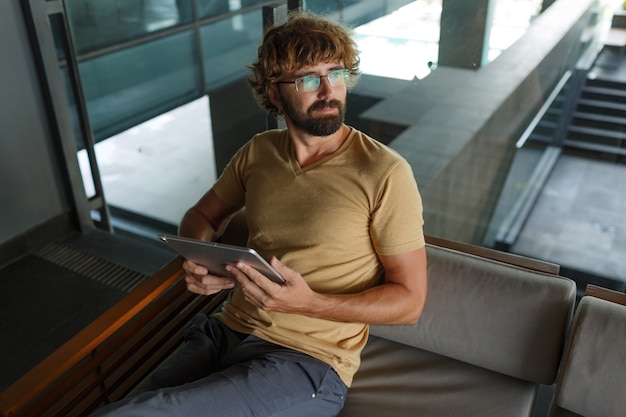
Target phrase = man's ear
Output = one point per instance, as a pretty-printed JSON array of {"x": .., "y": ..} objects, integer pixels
[{"x": 274, "y": 96}]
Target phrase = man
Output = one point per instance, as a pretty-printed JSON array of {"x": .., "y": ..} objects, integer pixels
[{"x": 338, "y": 215}]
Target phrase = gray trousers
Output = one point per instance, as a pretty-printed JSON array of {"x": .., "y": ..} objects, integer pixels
[{"x": 219, "y": 372}]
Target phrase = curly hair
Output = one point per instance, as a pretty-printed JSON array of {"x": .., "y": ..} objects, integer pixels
[{"x": 305, "y": 39}]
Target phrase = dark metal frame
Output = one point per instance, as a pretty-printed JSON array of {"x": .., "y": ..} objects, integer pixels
[{"x": 38, "y": 15}]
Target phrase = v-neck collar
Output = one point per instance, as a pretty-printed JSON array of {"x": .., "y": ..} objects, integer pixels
[{"x": 293, "y": 161}]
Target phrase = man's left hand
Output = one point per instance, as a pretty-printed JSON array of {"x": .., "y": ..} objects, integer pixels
[{"x": 289, "y": 297}]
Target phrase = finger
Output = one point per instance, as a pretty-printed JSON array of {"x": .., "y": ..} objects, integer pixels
[
  {"x": 208, "y": 284},
  {"x": 251, "y": 291},
  {"x": 194, "y": 268},
  {"x": 278, "y": 265},
  {"x": 263, "y": 282}
]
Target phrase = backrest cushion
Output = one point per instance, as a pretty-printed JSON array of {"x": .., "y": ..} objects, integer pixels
[
  {"x": 593, "y": 376},
  {"x": 490, "y": 314}
]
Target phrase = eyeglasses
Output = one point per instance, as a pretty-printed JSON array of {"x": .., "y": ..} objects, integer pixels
[{"x": 313, "y": 82}]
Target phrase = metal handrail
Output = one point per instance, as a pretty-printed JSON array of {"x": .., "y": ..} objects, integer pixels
[{"x": 544, "y": 108}]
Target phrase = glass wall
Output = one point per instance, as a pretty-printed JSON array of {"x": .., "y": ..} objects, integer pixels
[
  {"x": 144, "y": 65},
  {"x": 140, "y": 59},
  {"x": 141, "y": 62},
  {"x": 228, "y": 45}
]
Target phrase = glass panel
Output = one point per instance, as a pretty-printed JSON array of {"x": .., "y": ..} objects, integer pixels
[
  {"x": 355, "y": 12},
  {"x": 160, "y": 168},
  {"x": 403, "y": 44},
  {"x": 56, "y": 24},
  {"x": 461, "y": 129},
  {"x": 228, "y": 46},
  {"x": 96, "y": 24},
  {"x": 511, "y": 20},
  {"x": 128, "y": 86},
  {"x": 212, "y": 8}
]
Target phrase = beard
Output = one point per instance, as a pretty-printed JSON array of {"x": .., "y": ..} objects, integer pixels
[{"x": 317, "y": 126}]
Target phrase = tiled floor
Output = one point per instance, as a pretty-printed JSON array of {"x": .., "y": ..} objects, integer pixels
[{"x": 579, "y": 220}]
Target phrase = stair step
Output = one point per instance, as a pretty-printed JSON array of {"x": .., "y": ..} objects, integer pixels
[
  {"x": 592, "y": 131},
  {"x": 612, "y": 150},
  {"x": 600, "y": 118},
  {"x": 614, "y": 94},
  {"x": 609, "y": 83},
  {"x": 602, "y": 104}
]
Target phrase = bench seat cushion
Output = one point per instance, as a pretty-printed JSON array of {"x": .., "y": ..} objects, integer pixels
[{"x": 397, "y": 380}]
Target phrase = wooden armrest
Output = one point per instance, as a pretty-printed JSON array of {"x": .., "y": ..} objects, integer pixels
[
  {"x": 104, "y": 361},
  {"x": 606, "y": 294},
  {"x": 496, "y": 255}
]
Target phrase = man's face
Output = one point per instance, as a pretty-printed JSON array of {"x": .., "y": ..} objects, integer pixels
[{"x": 320, "y": 112}]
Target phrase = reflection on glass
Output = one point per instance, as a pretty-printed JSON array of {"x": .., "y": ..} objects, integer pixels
[
  {"x": 228, "y": 45},
  {"x": 404, "y": 44},
  {"x": 56, "y": 24},
  {"x": 96, "y": 24},
  {"x": 212, "y": 8},
  {"x": 398, "y": 38},
  {"x": 510, "y": 21},
  {"x": 128, "y": 86}
]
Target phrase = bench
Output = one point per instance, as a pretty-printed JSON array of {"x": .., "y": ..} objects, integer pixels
[
  {"x": 492, "y": 331},
  {"x": 592, "y": 377}
]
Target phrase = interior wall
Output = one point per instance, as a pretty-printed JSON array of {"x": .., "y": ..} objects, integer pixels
[{"x": 30, "y": 180}]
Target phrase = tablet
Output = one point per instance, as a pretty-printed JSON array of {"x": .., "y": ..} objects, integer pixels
[{"x": 215, "y": 256}]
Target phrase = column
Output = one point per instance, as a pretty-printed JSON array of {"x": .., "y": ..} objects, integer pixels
[{"x": 464, "y": 34}]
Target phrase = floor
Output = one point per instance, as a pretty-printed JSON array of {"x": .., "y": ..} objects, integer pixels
[
  {"x": 70, "y": 283},
  {"x": 579, "y": 218}
]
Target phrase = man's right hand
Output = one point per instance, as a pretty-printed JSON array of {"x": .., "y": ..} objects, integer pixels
[{"x": 199, "y": 281}]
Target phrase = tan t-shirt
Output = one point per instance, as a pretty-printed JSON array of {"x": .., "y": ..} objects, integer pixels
[{"x": 327, "y": 221}]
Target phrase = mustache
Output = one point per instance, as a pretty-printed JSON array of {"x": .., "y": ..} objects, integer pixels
[{"x": 322, "y": 104}]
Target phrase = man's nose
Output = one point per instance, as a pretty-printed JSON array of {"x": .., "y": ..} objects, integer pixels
[{"x": 325, "y": 89}]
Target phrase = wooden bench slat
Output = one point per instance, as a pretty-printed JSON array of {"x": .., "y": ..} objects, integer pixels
[
  {"x": 496, "y": 255},
  {"x": 606, "y": 294}
]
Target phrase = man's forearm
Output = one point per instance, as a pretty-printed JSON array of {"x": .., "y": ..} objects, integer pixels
[
  {"x": 389, "y": 303},
  {"x": 196, "y": 226}
]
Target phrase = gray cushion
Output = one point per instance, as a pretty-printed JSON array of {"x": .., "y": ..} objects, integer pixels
[
  {"x": 493, "y": 315},
  {"x": 593, "y": 379},
  {"x": 397, "y": 380}
]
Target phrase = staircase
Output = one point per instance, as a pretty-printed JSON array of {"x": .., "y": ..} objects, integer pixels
[{"x": 598, "y": 123}]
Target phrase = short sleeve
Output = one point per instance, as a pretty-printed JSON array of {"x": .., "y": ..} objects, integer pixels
[
  {"x": 230, "y": 186},
  {"x": 397, "y": 221}
]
